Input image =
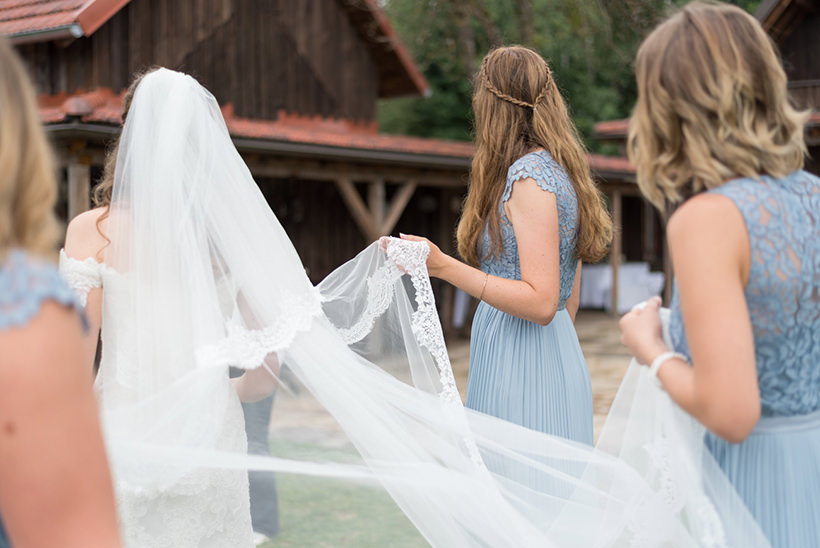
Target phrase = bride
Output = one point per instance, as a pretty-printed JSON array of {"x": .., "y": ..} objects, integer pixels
[{"x": 188, "y": 272}]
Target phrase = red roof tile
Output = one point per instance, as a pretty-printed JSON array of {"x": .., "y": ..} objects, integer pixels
[
  {"x": 34, "y": 20},
  {"x": 104, "y": 106},
  {"x": 612, "y": 129},
  {"x": 611, "y": 164}
]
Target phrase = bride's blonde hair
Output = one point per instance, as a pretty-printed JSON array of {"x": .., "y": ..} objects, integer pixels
[
  {"x": 517, "y": 108},
  {"x": 28, "y": 188},
  {"x": 712, "y": 105}
]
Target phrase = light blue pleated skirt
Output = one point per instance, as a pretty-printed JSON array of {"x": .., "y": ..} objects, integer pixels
[
  {"x": 529, "y": 374},
  {"x": 776, "y": 471}
]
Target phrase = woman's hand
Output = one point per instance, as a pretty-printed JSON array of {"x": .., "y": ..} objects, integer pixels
[
  {"x": 436, "y": 260},
  {"x": 641, "y": 332}
]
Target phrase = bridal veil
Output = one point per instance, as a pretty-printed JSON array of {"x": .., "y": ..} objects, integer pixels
[{"x": 213, "y": 281}]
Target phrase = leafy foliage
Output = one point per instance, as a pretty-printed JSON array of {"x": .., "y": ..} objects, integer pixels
[{"x": 590, "y": 44}]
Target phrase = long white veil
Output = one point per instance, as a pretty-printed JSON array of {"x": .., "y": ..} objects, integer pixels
[{"x": 210, "y": 280}]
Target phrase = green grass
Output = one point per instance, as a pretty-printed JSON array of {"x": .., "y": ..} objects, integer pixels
[{"x": 325, "y": 513}]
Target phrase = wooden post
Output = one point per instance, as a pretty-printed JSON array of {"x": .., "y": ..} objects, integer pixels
[
  {"x": 397, "y": 205},
  {"x": 376, "y": 220},
  {"x": 446, "y": 230},
  {"x": 376, "y": 196},
  {"x": 615, "y": 253},
  {"x": 648, "y": 231},
  {"x": 355, "y": 204},
  {"x": 79, "y": 188},
  {"x": 668, "y": 275}
]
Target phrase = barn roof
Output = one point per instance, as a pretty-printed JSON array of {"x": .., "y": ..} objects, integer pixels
[
  {"x": 26, "y": 21},
  {"x": 780, "y": 17},
  {"x": 102, "y": 109}
]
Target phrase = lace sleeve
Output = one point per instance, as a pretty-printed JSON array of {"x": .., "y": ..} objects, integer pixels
[
  {"x": 25, "y": 284},
  {"x": 546, "y": 172},
  {"x": 81, "y": 276}
]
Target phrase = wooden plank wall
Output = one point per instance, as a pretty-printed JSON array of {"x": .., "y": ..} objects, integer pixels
[
  {"x": 303, "y": 57},
  {"x": 802, "y": 63}
]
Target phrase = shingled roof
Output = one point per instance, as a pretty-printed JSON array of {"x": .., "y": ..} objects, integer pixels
[
  {"x": 779, "y": 17},
  {"x": 103, "y": 106},
  {"x": 26, "y": 21}
]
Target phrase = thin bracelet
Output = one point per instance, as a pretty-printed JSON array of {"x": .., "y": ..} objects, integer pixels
[
  {"x": 662, "y": 359},
  {"x": 483, "y": 287}
]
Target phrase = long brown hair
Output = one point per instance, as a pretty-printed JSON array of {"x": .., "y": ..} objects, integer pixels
[
  {"x": 102, "y": 191},
  {"x": 28, "y": 188},
  {"x": 517, "y": 108},
  {"x": 718, "y": 112}
]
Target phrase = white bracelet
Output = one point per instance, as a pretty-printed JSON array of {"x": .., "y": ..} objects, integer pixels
[{"x": 662, "y": 359}]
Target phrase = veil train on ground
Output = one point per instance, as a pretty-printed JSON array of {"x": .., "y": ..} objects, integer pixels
[{"x": 215, "y": 282}]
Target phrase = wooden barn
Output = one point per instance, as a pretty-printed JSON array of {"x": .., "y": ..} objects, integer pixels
[
  {"x": 794, "y": 25},
  {"x": 298, "y": 83}
]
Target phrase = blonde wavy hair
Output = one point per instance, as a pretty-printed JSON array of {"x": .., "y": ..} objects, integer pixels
[
  {"x": 28, "y": 188},
  {"x": 518, "y": 108},
  {"x": 712, "y": 105}
]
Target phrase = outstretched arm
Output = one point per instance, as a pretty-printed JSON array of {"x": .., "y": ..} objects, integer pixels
[{"x": 534, "y": 216}]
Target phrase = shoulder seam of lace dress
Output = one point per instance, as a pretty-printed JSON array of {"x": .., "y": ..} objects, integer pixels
[
  {"x": 81, "y": 275},
  {"x": 27, "y": 304}
]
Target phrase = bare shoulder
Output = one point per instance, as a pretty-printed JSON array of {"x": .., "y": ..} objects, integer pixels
[
  {"x": 709, "y": 229},
  {"x": 527, "y": 191},
  {"x": 705, "y": 215},
  {"x": 83, "y": 238}
]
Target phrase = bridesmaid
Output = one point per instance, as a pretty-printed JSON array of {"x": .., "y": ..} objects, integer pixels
[
  {"x": 55, "y": 486},
  {"x": 532, "y": 214},
  {"x": 715, "y": 128}
]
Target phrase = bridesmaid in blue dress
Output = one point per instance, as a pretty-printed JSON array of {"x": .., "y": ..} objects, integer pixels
[
  {"x": 746, "y": 254},
  {"x": 55, "y": 487},
  {"x": 532, "y": 214}
]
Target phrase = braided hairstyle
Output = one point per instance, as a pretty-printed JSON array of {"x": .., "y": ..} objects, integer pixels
[{"x": 517, "y": 109}]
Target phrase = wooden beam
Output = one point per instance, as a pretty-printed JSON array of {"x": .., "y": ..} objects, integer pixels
[
  {"x": 79, "y": 188},
  {"x": 355, "y": 204},
  {"x": 668, "y": 275},
  {"x": 649, "y": 247},
  {"x": 397, "y": 205},
  {"x": 376, "y": 196},
  {"x": 615, "y": 253},
  {"x": 280, "y": 168}
]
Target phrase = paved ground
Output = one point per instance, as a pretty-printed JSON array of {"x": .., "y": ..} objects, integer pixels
[{"x": 298, "y": 418}]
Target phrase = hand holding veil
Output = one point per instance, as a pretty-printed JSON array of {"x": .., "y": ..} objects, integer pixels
[{"x": 206, "y": 278}]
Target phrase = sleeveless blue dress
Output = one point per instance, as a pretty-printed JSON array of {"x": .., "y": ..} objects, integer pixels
[
  {"x": 26, "y": 282},
  {"x": 529, "y": 374},
  {"x": 776, "y": 470}
]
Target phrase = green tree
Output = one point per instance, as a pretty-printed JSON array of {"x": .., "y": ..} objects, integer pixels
[{"x": 590, "y": 44}]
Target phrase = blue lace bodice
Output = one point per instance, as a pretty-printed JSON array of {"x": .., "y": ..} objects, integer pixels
[
  {"x": 551, "y": 177},
  {"x": 25, "y": 282},
  {"x": 782, "y": 217}
]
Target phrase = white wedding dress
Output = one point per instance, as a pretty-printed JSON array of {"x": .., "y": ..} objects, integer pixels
[
  {"x": 199, "y": 276},
  {"x": 204, "y": 507}
]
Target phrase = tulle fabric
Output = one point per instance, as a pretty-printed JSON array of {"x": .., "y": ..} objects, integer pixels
[{"x": 210, "y": 280}]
